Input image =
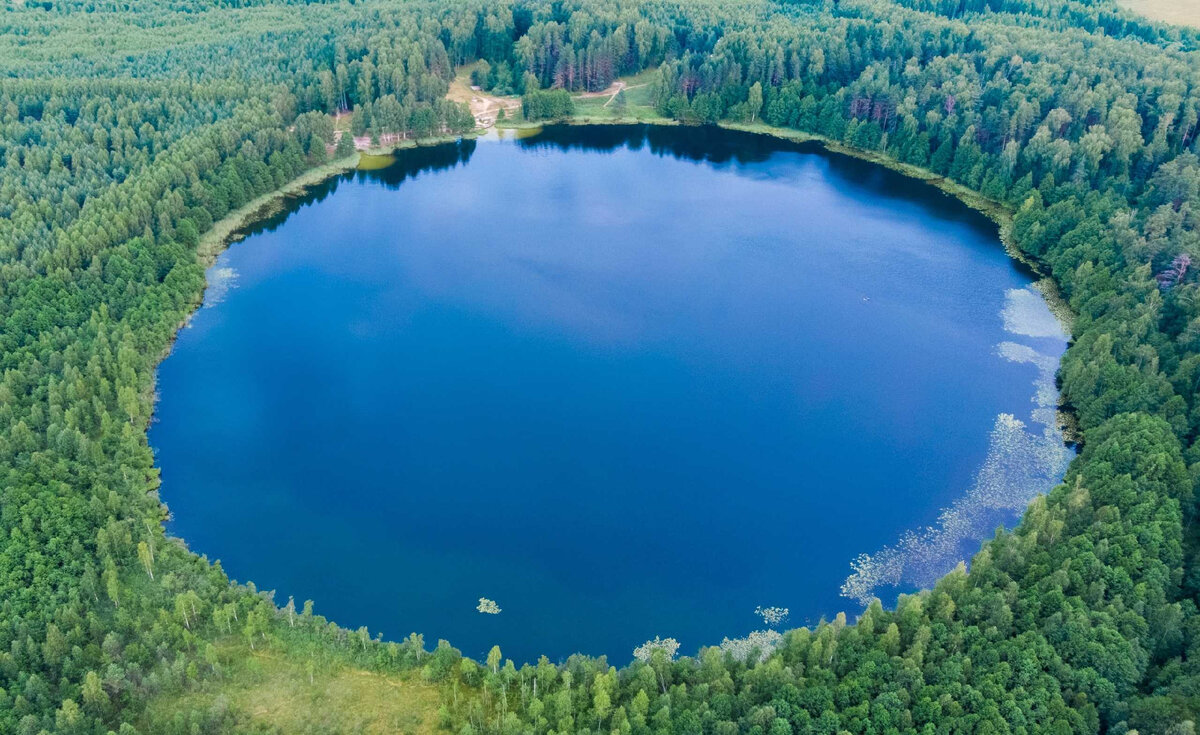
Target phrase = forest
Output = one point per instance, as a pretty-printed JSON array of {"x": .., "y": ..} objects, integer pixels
[{"x": 127, "y": 130}]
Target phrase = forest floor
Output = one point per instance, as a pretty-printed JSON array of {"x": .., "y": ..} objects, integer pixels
[
  {"x": 1180, "y": 12},
  {"x": 271, "y": 692}
]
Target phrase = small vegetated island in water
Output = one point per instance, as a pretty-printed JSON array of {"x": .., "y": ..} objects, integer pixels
[{"x": 596, "y": 428}]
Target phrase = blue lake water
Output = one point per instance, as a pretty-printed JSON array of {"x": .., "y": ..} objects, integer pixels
[{"x": 625, "y": 382}]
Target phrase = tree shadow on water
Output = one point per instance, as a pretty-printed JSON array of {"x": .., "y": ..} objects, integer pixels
[{"x": 409, "y": 163}]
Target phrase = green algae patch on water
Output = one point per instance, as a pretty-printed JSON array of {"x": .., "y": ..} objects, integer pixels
[{"x": 374, "y": 162}]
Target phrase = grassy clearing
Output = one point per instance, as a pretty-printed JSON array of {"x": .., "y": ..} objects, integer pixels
[
  {"x": 638, "y": 97},
  {"x": 271, "y": 692},
  {"x": 593, "y": 109},
  {"x": 486, "y": 108},
  {"x": 1179, "y": 12},
  {"x": 640, "y": 85},
  {"x": 639, "y": 108}
]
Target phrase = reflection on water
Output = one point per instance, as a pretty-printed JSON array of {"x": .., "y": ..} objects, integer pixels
[{"x": 406, "y": 164}]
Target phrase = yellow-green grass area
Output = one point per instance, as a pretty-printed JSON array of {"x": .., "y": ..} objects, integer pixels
[
  {"x": 373, "y": 158},
  {"x": 375, "y": 161},
  {"x": 1179, "y": 12},
  {"x": 640, "y": 86},
  {"x": 593, "y": 109},
  {"x": 639, "y": 107},
  {"x": 639, "y": 103},
  {"x": 268, "y": 691}
]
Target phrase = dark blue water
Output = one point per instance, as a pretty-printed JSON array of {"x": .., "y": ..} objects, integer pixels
[{"x": 623, "y": 382}]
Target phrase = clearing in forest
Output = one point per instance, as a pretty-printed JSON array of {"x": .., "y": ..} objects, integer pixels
[
  {"x": 272, "y": 691},
  {"x": 611, "y": 92},
  {"x": 485, "y": 107},
  {"x": 1180, "y": 12}
]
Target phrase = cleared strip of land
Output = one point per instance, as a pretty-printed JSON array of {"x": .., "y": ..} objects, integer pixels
[
  {"x": 1179, "y": 12},
  {"x": 485, "y": 107},
  {"x": 273, "y": 692}
]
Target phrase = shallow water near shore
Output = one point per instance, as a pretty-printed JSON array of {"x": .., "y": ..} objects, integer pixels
[{"x": 623, "y": 381}]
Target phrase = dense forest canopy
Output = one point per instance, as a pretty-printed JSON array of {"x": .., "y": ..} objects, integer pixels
[{"x": 127, "y": 129}]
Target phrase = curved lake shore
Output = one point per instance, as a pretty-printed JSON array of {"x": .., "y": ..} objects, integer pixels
[{"x": 609, "y": 193}]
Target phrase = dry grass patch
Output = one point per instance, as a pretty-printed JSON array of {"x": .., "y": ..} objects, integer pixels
[
  {"x": 1179, "y": 12},
  {"x": 271, "y": 693},
  {"x": 484, "y": 107}
]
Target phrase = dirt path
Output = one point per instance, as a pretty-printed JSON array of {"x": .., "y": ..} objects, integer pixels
[
  {"x": 485, "y": 107},
  {"x": 611, "y": 92},
  {"x": 363, "y": 142}
]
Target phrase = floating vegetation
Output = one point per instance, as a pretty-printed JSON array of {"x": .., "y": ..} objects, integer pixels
[
  {"x": 772, "y": 616},
  {"x": 668, "y": 646},
  {"x": 374, "y": 162},
  {"x": 1022, "y": 462},
  {"x": 529, "y": 132},
  {"x": 488, "y": 606},
  {"x": 1025, "y": 313},
  {"x": 757, "y": 647},
  {"x": 220, "y": 282}
]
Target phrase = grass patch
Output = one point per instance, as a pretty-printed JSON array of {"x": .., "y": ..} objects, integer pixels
[
  {"x": 374, "y": 162},
  {"x": 593, "y": 109},
  {"x": 270, "y": 692},
  {"x": 640, "y": 86},
  {"x": 1179, "y": 12},
  {"x": 639, "y": 103}
]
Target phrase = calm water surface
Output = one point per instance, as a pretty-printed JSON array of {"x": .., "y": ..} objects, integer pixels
[{"x": 623, "y": 382}]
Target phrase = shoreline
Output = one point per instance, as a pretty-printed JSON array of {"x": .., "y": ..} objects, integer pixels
[
  {"x": 231, "y": 229},
  {"x": 227, "y": 230},
  {"x": 998, "y": 212}
]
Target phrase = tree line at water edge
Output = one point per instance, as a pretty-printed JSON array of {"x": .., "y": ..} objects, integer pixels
[{"x": 129, "y": 131}]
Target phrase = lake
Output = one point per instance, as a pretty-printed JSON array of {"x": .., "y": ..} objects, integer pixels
[{"x": 623, "y": 381}]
